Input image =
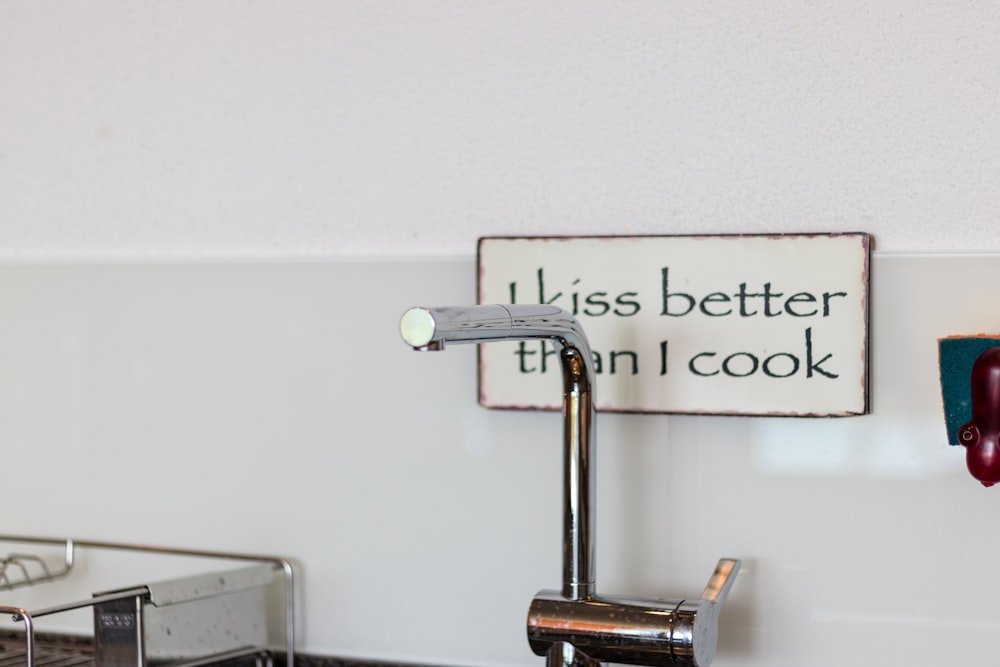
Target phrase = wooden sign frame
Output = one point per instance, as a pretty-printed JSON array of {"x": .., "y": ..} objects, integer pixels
[{"x": 731, "y": 324}]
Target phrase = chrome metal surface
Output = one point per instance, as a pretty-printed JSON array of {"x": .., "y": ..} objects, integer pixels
[
  {"x": 29, "y": 569},
  {"x": 209, "y": 585},
  {"x": 564, "y": 654},
  {"x": 434, "y": 328},
  {"x": 119, "y": 637},
  {"x": 178, "y": 621},
  {"x": 90, "y": 602},
  {"x": 189, "y": 618},
  {"x": 575, "y": 627},
  {"x": 55, "y": 650},
  {"x": 19, "y": 615},
  {"x": 633, "y": 630}
]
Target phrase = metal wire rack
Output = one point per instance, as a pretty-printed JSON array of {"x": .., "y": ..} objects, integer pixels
[
  {"x": 58, "y": 652},
  {"x": 17, "y": 570},
  {"x": 147, "y": 625}
]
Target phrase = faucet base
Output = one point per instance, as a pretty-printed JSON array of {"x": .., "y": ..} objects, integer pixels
[
  {"x": 562, "y": 654},
  {"x": 616, "y": 629},
  {"x": 637, "y": 631}
]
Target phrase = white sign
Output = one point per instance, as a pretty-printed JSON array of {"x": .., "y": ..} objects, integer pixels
[{"x": 742, "y": 325}]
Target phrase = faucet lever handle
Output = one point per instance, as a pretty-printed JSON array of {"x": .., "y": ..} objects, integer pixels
[{"x": 721, "y": 581}]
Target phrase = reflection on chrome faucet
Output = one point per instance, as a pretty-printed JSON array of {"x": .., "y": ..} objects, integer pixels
[
  {"x": 432, "y": 328},
  {"x": 575, "y": 626}
]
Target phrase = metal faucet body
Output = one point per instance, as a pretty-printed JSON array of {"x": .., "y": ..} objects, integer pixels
[
  {"x": 575, "y": 626},
  {"x": 433, "y": 328}
]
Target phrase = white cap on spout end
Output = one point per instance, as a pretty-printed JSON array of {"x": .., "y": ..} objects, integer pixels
[{"x": 417, "y": 327}]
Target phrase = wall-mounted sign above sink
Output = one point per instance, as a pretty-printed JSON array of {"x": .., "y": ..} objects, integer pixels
[{"x": 743, "y": 325}]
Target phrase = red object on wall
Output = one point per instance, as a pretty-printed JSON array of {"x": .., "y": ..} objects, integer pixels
[{"x": 981, "y": 435}]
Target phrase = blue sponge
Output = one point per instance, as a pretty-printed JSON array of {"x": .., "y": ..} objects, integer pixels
[{"x": 956, "y": 355}]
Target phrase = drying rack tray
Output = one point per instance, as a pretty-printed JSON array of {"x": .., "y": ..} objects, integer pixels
[
  {"x": 180, "y": 602},
  {"x": 58, "y": 650}
]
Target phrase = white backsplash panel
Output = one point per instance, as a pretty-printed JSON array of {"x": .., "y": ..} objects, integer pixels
[{"x": 272, "y": 408}]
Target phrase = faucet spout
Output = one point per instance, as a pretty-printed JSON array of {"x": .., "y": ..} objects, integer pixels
[
  {"x": 574, "y": 627},
  {"x": 433, "y": 328}
]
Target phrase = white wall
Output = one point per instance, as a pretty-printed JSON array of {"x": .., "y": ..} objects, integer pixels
[
  {"x": 228, "y": 128},
  {"x": 271, "y": 407},
  {"x": 350, "y": 131}
]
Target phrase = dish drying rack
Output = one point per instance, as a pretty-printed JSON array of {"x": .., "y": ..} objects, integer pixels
[{"x": 189, "y": 621}]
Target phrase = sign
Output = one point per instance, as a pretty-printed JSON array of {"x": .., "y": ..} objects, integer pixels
[{"x": 740, "y": 325}]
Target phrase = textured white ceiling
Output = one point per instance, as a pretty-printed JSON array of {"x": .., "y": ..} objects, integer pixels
[{"x": 359, "y": 128}]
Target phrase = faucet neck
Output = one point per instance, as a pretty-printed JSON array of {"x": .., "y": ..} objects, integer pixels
[
  {"x": 579, "y": 479},
  {"x": 433, "y": 328}
]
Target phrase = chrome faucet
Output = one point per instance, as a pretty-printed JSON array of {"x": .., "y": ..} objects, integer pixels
[{"x": 575, "y": 626}]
